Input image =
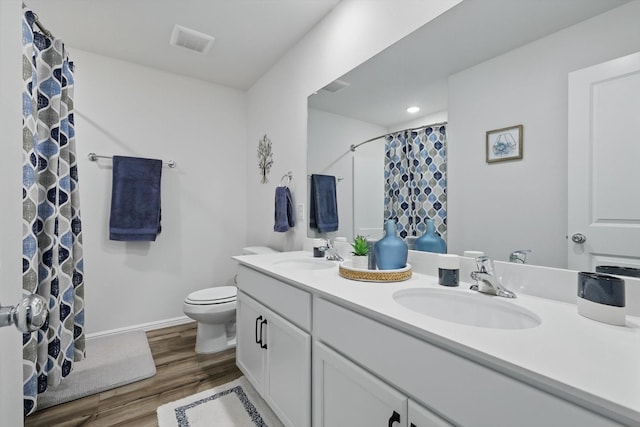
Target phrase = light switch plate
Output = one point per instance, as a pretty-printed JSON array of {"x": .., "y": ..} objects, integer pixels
[{"x": 300, "y": 212}]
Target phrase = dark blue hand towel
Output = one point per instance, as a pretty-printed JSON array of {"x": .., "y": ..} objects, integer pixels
[
  {"x": 324, "y": 206},
  {"x": 284, "y": 210},
  {"x": 135, "y": 199}
]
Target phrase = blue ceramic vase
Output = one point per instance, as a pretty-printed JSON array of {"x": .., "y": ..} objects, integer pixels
[
  {"x": 391, "y": 251},
  {"x": 430, "y": 241}
]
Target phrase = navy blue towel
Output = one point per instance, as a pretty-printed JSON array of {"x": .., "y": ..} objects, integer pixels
[
  {"x": 284, "y": 210},
  {"x": 324, "y": 206},
  {"x": 135, "y": 199}
]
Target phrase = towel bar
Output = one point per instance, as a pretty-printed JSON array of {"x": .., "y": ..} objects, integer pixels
[
  {"x": 94, "y": 157},
  {"x": 338, "y": 178}
]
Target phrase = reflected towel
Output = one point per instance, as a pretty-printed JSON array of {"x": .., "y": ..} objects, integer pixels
[
  {"x": 284, "y": 210},
  {"x": 135, "y": 199},
  {"x": 323, "y": 212}
]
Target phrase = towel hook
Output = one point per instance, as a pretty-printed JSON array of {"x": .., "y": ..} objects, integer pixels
[{"x": 289, "y": 176}]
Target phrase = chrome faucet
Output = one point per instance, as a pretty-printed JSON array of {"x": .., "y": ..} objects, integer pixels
[
  {"x": 519, "y": 256},
  {"x": 487, "y": 281},
  {"x": 330, "y": 251}
]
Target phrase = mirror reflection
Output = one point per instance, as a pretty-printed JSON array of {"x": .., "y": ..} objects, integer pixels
[{"x": 479, "y": 67}]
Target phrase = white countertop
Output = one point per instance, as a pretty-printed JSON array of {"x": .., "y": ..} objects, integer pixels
[{"x": 584, "y": 361}]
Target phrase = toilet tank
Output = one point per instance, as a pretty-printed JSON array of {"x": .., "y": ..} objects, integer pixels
[{"x": 258, "y": 250}]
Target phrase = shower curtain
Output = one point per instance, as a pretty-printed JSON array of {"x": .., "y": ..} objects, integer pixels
[
  {"x": 52, "y": 232},
  {"x": 415, "y": 179}
]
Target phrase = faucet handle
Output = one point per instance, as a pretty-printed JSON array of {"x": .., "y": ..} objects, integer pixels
[
  {"x": 484, "y": 264},
  {"x": 519, "y": 256}
]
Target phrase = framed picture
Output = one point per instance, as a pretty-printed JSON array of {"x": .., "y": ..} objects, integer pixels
[{"x": 504, "y": 144}]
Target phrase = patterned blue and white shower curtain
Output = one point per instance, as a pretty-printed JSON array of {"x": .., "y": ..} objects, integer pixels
[
  {"x": 415, "y": 179},
  {"x": 52, "y": 237}
]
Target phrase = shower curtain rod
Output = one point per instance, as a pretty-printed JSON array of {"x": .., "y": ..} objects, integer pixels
[
  {"x": 354, "y": 146},
  {"x": 94, "y": 157},
  {"x": 42, "y": 28}
]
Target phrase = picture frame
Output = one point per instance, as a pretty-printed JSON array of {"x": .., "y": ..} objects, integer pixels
[{"x": 504, "y": 144}]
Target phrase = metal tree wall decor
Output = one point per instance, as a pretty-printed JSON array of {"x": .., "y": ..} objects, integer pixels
[{"x": 265, "y": 158}]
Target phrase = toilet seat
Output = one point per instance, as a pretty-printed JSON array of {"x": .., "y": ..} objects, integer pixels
[{"x": 210, "y": 296}]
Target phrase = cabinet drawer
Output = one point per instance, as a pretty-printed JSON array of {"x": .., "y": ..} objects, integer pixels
[
  {"x": 452, "y": 386},
  {"x": 289, "y": 302}
]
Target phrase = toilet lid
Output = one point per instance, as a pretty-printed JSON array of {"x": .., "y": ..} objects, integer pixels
[{"x": 217, "y": 295}]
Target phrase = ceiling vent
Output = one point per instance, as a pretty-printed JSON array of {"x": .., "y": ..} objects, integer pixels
[
  {"x": 190, "y": 39},
  {"x": 336, "y": 85}
]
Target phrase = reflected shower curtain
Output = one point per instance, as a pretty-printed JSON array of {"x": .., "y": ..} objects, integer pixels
[
  {"x": 415, "y": 179},
  {"x": 52, "y": 239}
]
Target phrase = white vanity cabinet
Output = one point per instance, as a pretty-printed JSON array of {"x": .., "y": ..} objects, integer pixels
[
  {"x": 274, "y": 354},
  {"x": 371, "y": 370},
  {"x": 249, "y": 347},
  {"x": 462, "y": 391},
  {"x": 420, "y": 416},
  {"x": 347, "y": 395}
]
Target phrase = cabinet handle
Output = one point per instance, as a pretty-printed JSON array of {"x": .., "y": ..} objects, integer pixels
[
  {"x": 258, "y": 340},
  {"x": 262, "y": 344},
  {"x": 395, "y": 418}
]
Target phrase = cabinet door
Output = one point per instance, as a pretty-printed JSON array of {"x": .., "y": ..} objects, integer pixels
[
  {"x": 347, "y": 395},
  {"x": 288, "y": 383},
  {"x": 250, "y": 356},
  {"x": 420, "y": 416}
]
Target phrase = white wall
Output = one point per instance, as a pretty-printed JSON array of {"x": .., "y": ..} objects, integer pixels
[
  {"x": 525, "y": 86},
  {"x": 429, "y": 119},
  {"x": 11, "y": 212},
  {"x": 329, "y": 140},
  {"x": 277, "y": 104},
  {"x": 127, "y": 109}
]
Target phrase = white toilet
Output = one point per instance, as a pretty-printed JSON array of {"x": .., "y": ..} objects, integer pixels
[{"x": 215, "y": 311}]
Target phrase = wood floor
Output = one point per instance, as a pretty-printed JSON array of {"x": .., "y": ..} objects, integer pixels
[{"x": 180, "y": 373}]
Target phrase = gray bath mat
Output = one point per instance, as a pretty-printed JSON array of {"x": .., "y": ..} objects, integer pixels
[{"x": 112, "y": 361}]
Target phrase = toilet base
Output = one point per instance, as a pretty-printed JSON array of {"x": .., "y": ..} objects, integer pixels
[{"x": 213, "y": 338}]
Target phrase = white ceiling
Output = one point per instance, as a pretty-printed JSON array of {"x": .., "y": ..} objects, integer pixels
[
  {"x": 414, "y": 71},
  {"x": 251, "y": 35}
]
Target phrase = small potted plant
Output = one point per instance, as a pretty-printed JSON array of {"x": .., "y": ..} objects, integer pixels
[{"x": 360, "y": 252}]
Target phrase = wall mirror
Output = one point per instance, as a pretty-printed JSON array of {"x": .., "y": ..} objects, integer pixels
[{"x": 480, "y": 66}]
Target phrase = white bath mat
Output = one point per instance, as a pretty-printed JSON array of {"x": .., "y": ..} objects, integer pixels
[{"x": 234, "y": 404}]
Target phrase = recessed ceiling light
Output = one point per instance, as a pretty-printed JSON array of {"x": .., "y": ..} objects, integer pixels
[{"x": 413, "y": 110}]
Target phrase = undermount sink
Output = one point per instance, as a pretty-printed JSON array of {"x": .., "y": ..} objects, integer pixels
[
  {"x": 305, "y": 263},
  {"x": 467, "y": 308}
]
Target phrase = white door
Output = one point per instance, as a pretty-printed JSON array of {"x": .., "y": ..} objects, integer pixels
[
  {"x": 347, "y": 395},
  {"x": 288, "y": 371},
  {"x": 604, "y": 165},
  {"x": 11, "y": 211},
  {"x": 250, "y": 354}
]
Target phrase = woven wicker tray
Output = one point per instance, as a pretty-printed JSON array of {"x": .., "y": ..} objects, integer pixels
[{"x": 347, "y": 271}]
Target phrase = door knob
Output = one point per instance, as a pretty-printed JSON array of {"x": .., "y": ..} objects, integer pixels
[
  {"x": 578, "y": 238},
  {"x": 28, "y": 316}
]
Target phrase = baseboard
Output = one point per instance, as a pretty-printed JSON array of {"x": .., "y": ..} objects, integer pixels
[{"x": 143, "y": 327}]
